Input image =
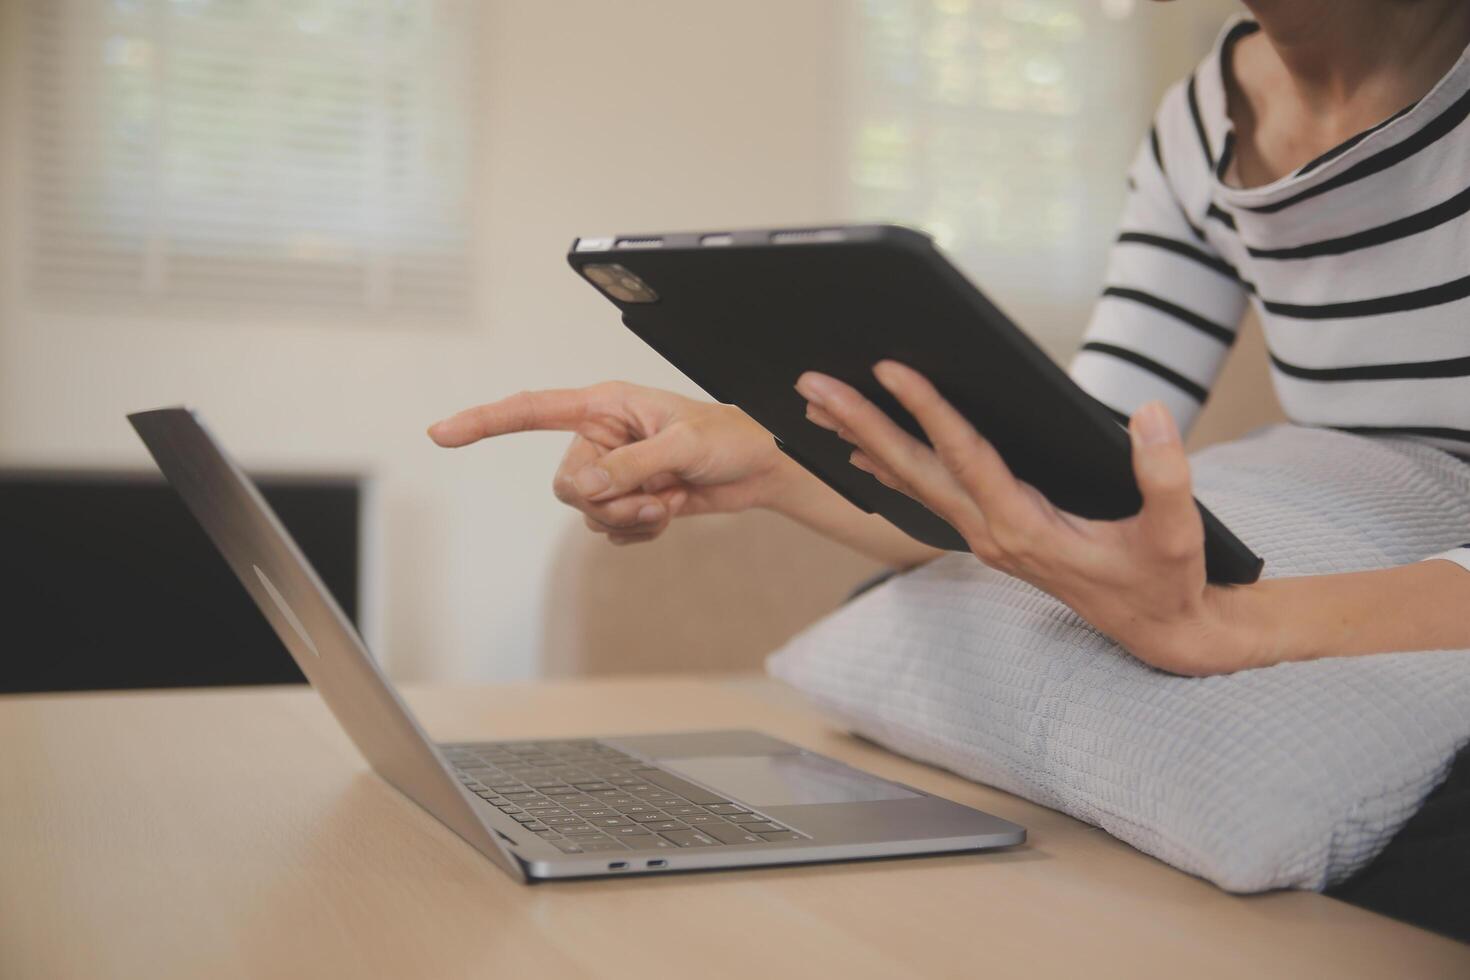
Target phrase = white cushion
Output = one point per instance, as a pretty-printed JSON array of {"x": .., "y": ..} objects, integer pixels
[{"x": 1295, "y": 775}]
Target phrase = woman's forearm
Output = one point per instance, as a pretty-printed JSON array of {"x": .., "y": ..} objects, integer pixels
[
  {"x": 1423, "y": 606},
  {"x": 805, "y": 499}
]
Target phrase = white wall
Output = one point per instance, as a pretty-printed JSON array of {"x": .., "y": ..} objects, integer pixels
[{"x": 597, "y": 117}]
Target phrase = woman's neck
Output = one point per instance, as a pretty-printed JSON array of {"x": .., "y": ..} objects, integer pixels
[{"x": 1339, "y": 52}]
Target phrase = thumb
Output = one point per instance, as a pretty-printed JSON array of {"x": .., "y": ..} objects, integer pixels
[
  {"x": 628, "y": 468},
  {"x": 1169, "y": 520}
]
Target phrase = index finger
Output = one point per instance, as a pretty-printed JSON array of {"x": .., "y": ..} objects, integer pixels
[
  {"x": 967, "y": 454},
  {"x": 548, "y": 410}
]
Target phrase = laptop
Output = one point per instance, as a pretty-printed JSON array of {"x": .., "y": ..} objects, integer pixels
[{"x": 559, "y": 808}]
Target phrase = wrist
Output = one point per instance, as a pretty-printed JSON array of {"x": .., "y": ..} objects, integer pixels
[
  {"x": 1248, "y": 627},
  {"x": 785, "y": 485}
]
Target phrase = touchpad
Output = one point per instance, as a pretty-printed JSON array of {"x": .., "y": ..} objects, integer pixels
[{"x": 785, "y": 780}]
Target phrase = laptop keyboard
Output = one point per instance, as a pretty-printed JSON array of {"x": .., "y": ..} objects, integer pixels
[{"x": 585, "y": 797}]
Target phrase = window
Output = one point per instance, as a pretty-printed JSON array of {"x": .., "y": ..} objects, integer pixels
[
  {"x": 252, "y": 154},
  {"x": 1005, "y": 129}
]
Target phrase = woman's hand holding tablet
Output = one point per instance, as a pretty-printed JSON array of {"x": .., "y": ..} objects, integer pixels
[{"x": 1141, "y": 580}]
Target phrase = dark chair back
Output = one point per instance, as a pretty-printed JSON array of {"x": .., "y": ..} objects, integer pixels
[{"x": 108, "y": 582}]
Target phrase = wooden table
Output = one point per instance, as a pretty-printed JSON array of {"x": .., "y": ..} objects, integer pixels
[{"x": 238, "y": 834}]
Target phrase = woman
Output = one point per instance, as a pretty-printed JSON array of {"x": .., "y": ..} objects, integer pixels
[{"x": 1317, "y": 166}]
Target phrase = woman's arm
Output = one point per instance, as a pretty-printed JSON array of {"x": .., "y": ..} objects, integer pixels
[
  {"x": 807, "y": 500},
  {"x": 1167, "y": 318},
  {"x": 641, "y": 457},
  {"x": 1413, "y": 607}
]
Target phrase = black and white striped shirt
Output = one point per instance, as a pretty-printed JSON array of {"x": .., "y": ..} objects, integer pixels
[{"x": 1357, "y": 264}]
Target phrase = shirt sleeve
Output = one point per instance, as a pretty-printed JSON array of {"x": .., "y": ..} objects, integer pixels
[
  {"x": 1170, "y": 308},
  {"x": 1460, "y": 556}
]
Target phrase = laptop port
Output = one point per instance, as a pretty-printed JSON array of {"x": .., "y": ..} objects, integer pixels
[
  {"x": 657, "y": 863},
  {"x": 617, "y": 865}
]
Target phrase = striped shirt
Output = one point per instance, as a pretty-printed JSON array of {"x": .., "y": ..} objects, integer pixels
[{"x": 1357, "y": 265}]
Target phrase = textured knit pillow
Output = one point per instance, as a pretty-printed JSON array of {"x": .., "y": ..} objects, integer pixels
[{"x": 1289, "y": 776}]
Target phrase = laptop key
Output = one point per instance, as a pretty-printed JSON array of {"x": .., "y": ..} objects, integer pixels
[
  {"x": 609, "y": 821},
  {"x": 632, "y": 830},
  {"x": 582, "y": 831},
  {"x": 690, "y": 838},
  {"x": 744, "y": 817},
  {"x": 533, "y": 827},
  {"x": 684, "y": 788},
  {"x": 653, "y": 816},
  {"x": 729, "y": 833},
  {"x": 683, "y": 810},
  {"x": 567, "y": 821},
  {"x": 724, "y": 808},
  {"x": 700, "y": 819},
  {"x": 649, "y": 842},
  {"x": 764, "y": 827},
  {"x": 783, "y": 835},
  {"x": 593, "y": 844}
]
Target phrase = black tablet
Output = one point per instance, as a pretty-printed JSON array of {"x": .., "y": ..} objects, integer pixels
[{"x": 744, "y": 313}]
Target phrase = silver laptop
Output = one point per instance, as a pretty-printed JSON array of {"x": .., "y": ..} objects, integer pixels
[{"x": 561, "y": 808}]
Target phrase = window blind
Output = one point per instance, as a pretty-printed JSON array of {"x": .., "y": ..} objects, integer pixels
[
  {"x": 256, "y": 154},
  {"x": 1003, "y": 129}
]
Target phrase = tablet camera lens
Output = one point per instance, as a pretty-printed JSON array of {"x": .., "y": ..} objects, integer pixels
[{"x": 619, "y": 282}]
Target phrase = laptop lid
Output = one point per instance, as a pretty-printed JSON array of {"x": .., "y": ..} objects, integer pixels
[{"x": 309, "y": 622}]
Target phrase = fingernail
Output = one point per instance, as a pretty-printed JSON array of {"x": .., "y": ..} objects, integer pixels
[
  {"x": 592, "y": 480},
  {"x": 1154, "y": 425},
  {"x": 814, "y": 388},
  {"x": 434, "y": 429},
  {"x": 649, "y": 513}
]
